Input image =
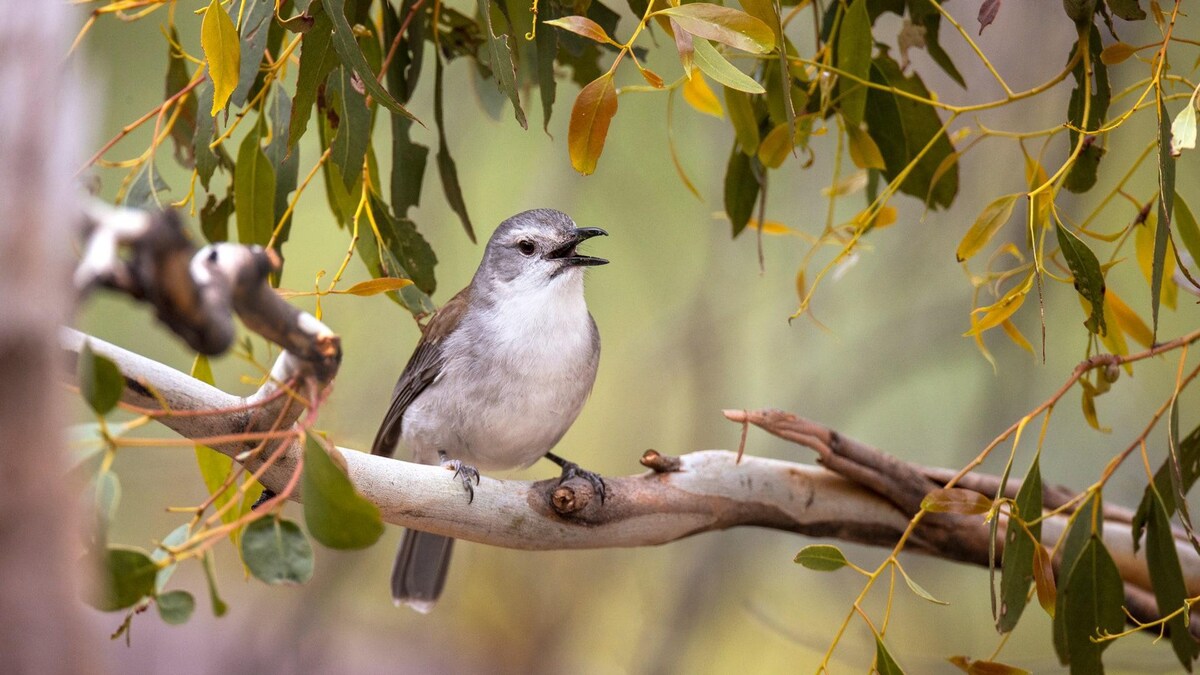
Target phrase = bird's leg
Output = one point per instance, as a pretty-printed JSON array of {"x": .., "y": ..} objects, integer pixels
[
  {"x": 464, "y": 472},
  {"x": 572, "y": 470}
]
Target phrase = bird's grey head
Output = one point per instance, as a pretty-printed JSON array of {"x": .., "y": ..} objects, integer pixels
[{"x": 537, "y": 248}]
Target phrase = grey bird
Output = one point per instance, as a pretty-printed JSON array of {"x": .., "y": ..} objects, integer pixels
[{"x": 499, "y": 375}]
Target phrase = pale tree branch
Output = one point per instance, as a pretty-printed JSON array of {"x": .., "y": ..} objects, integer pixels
[{"x": 870, "y": 503}]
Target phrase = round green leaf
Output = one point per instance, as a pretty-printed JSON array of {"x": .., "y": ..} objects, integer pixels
[
  {"x": 127, "y": 577},
  {"x": 821, "y": 557},
  {"x": 277, "y": 552},
  {"x": 100, "y": 381},
  {"x": 176, "y": 607},
  {"x": 336, "y": 515}
]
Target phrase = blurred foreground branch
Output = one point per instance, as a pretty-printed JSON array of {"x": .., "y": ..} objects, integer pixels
[{"x": 863, "y": 495}]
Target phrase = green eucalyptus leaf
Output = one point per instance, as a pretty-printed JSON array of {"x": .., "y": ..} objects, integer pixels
[
  {"x": 277, "y": 552},
  {"x": 741, "y": 190},
  {"x": 174, "y": 539},
  {"x": 143, "y": 190},
  {"x": 500, "y": 60},
  {"x": 884, "y": 663},
  {"x": 1166, "y": 576},
  {"x": 1082, "y": 175},
  {"x": 1166, "y": 197},
  {"x": 901, "y": 127},
  {"x": 348, "y": 150},
  {"x": 351, "y": 55},
  {"x": 254, "y": 192},
  {"x": 1089, "y": 279},
  {"x": 255, "y": 22},
  {"x": 712, "y": 64},
  {"x": 184, "y": 129},
  {"x": 317, "y": 60},
  {"x": 219, "y": 608},
  {"x": 100, "y": 381},
  {"x": 336, "y": 515},
  {"x": 127, "y": 576},
  {"x": 1016, "y": 571},
  {"x": 853, "y": 51},
  {"x": 175, "y": 607},
  {"x": 821, "y": 558}
]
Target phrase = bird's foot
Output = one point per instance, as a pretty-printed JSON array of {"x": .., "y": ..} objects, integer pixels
[
  {"x": 464, "y": 472},
  {"x": 572, "y": 470}
]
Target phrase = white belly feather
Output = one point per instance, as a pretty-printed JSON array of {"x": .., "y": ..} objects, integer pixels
[{"x": 520, "y": 374}]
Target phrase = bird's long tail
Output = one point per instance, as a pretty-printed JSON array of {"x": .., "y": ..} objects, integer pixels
[{"x": 420, "y": 570}]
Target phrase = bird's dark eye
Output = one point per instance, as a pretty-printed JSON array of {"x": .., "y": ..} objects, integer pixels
[{"x": 526, "y": 247}]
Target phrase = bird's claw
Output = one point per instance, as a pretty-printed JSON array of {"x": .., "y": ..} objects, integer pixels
[
  {"x": 572, "y": 470},
  {"x": 465, "y": 473}
]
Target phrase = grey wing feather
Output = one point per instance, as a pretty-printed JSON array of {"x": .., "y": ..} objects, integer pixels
[
  {"x": 421, "y": 371},
  {"x": 423, "y": 368}
]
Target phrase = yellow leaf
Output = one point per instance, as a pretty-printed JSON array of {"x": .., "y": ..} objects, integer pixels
[
  {"x": 1014, "y": 334},
  {"x": 1116, "y": 53},
  {"x": 989, "y": 222},
  {"x": 1131, "y": 324},
  {"x": 883, "y": 217},
  {"x": 701, "y": 97},
  {"x": 593, "y": 110},
  {"x": 863, "y": 150},
  {"x": 999, "y": 311},
  {"x": 1114, "y": 337},
  {"x": 222, "y": 49},
  {"x": 1035, "y": 177},
  {"x": 770, "y": 227},
  {"x": 376, "y": 286},
  {"x": 1143, "y": 241},
  {"x": 774, "y": 149},
  {"x": 945, "y": 165}
]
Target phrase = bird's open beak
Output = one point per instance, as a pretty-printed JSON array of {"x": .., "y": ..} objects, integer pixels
[{"x": 569, "y": 256}]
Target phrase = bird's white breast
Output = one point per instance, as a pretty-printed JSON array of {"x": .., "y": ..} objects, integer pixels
[{"x": 516, "y": 375}]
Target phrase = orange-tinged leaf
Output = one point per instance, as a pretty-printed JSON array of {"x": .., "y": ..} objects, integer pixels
[
  {"x": 770, "y": 227},
  {"x": 723, "y": 24},
  {"x": 1014, "y": 334},
  {"x": 981, "y": 667},
  {"x": 376, "y": 286},
  {"x": 1114, "y": 337},
  {"x": 774, "y": 149},
  {"x": 594, "y": 109},
  {"x": 1130, "y": 323},
  {"x": 651, "y": 78},
  {"x": 700, "y": 96},
  {"x": 886, "y": 216},
  {"x": 1035, "y": 177},
  {"x": 989, "y": 222},
  {"x": 956, "y": 500},
  {"x": 1116, "y": 53},
  {"x": 863, "y": 151},
  {"x": 999, "y": 311},
  {"x": 581, "y": 25},
  {"x": 1088, "y": 404},
  {"x": 222, "y": 50},
  {"x": 683, "y": 45},
  {"x": 1043, "y": 579}
]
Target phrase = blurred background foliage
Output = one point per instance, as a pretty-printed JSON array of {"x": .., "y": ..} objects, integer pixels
[{"x": 690, "y": 325}]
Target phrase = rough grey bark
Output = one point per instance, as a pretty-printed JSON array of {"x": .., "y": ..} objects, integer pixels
[{"x": 41, "y": 133}]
